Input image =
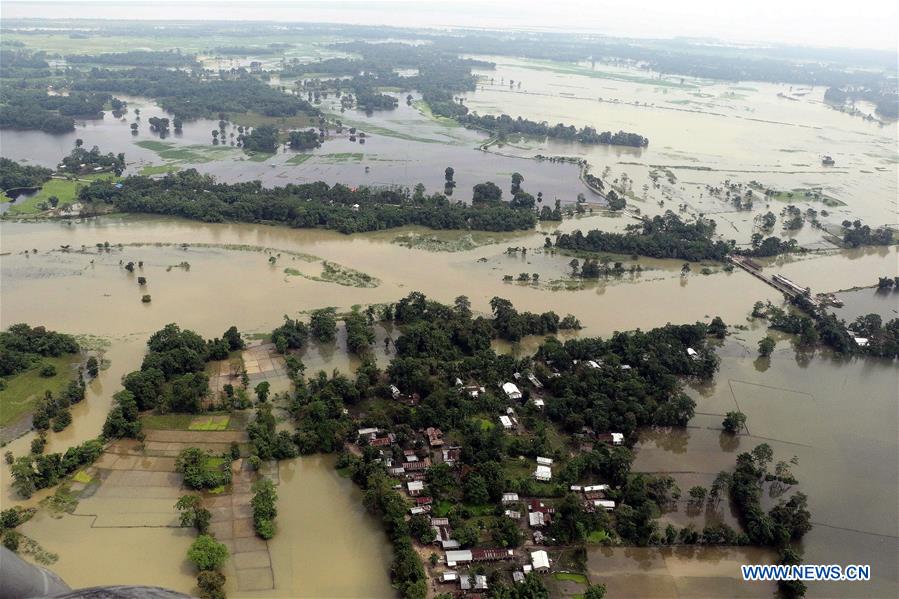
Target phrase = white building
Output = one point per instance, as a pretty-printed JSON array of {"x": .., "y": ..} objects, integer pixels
[
  {"x": 692, "y": 353},
  {"x": 861, "y": 341},
  {"x": 511, "y": 391},
  {"x": 415, "y": 487},
  {"x": 449, "y": 576},
  {"x": 536, "y": 519},
  {"x": 596, "y": 488},
  {"x": 604, "y": 504},
  {"x": 538, "y": 403},
  {"x": 395, "y": 392},
  {"x": 543, "y": 473},
  {"x": 540, "y": 560},
  {"x": 458, "y": 556},
  {"x": 545, "y": 461},
  {"x": 506, "y": 422},
  {"x": 510, "y": 497},
  {"x": 617, "y": 438},
  {"x": 592, "y": 364}
]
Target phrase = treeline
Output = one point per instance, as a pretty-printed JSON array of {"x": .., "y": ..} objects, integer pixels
[
  {"x": 316, "y": 205},
  {"x": 14, "y": 175},
  {"x": 81, "y": 160},
  {"x": 21, "y": 346},
  {"x": 885, "y": 99},
  {"x": 136, "y": 58},
  {"x": 505, "y": 125},
  {"x": 35, "y": 109},
  {"x": 664, "y": 236},
  {"x": 194, "y": 95},
  {"x": 171, "y": 377},
  {"x": 856, "y": 234},
  {"x": 40, "y": 471}
]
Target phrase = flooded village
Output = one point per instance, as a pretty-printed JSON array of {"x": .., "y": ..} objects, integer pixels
[{"x": 348, "y": 315}]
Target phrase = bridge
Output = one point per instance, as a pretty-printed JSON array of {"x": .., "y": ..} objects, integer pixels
[{"x": 779, "y": 282}]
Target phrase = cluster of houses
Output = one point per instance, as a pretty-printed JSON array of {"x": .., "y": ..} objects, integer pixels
[{"x": 411, "y": 467}]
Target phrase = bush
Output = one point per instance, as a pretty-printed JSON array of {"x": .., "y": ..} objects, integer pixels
[
  {"x": 211, "y": 584},
  {"x": 11, "y": 540},
  {"x": 207, "y": 554},
  {"x": 200, "y": 469},
  {"x": 48, "y": 370}
]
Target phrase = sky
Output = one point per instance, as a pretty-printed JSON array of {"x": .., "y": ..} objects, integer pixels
[{"x": 823, "y": 23}]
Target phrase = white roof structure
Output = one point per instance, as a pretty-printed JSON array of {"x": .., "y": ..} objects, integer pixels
[
  {"x": 449, "y": 576},
  {"x": 861, "y": 341},
  {"x": 594, "y": 488},
  {"x": 518, "y": 576},
  {"x": 534, "y": 380},
  {"x": 692, "y": 353},
  {"x": 625, "y": 367},
  {"x": 545, "y": 461},
  {"x": 536, "y": 519},
  {"x": 540, "y": 560},
  {"x": 538, "y": 402},
  {"x": 368, "y": 431},
  {"x": 511, "y": 391},
  {"x": 515, "y": 515},
  {"x": 617, "y": 438},
  {"x": 480, "y": 582},
  {"x": 592, "y": 364},
  {"x": 604, "y": 504},
  {"x": 418, "y": 509},
  {"x": 458, "y": 556},
  {"x": 576, "y": 488},
  {"x": 394, "y": 391},
  {"x": 506, "y": 422},
  {"x": 543, "y": 473},
  {"x": 450, "y": 544},
  {"x": 510, "y": 497},
  {"x": 415, "y": 485}
]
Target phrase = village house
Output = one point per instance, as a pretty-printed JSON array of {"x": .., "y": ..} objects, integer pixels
[
  {"x": 451, "y": 455},
  {"x": 511, "y": 391},
  {"x": 506, "y": 422},
  {"x": 415, "y": 487},
  {"x": 535, "y": 381},
  {"x": 538, "y": 403},
  {"x": 540, "y": 561},
  {"x": 544, "y": 461},
  {"x": 435, "y": 436},
  {"x": 395, "y": 392},
  {"x": 613, "y": 438},
  {"x": 543, "y": 473},
  {"x": 480, "y": 582},
  {"x": 692, "y": 353},
  {"x": 509, "y": 498}
]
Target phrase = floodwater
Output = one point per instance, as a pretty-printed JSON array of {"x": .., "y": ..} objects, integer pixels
[
  {"x": 402, "y": 147},
  {"x": 705, "y": 132},
  {"x": 837, "y": 416}
]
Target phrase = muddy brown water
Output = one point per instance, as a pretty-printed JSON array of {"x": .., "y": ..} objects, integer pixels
[{"x": 838, "y": 417}]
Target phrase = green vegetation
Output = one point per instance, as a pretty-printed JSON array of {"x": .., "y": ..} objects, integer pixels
[
  {"x": 21, "y": 392},
  {"x": 207, "y": 554},
  {"x": 202, "y": 470},
  {"x": 658, "y": 237},
  {"x": 309, "y": 205},
  {"x": 159, "y": 169},
  {"x": 264, "y": 508},
  {"x": 194, "y": 154}
]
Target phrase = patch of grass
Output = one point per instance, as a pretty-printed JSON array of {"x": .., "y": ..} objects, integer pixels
[
  {"x": 64, "y": 189},
  {"x": 571, "y": 577},
  {"x": 340, "y": 157},
  {"x": 24, "y": 389},
  {"x": 159, "y": 169},
  {"x": 82, "y": 477},
  {"x": 195, "y": 154},
  {"x": 442, "y": 508},
  {"x": 598, "y": 537},
  {"x": 484, "y": 424},
  {"x": 298, "y": 159},
  {"x": 209, "y": 423},
  {"x": 255, "y": 119},
  {"x": 178, "y": 422}
]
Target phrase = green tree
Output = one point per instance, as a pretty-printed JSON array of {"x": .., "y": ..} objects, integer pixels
[
  {"x": 766, "y": 346},
  {"x": 262, "y": 390},
  {"x": 207, "y": 554},
  {"x": 323, "y": 325},
  {"x": 734, "y": 422},
  {"x": 93, "y": 367}
]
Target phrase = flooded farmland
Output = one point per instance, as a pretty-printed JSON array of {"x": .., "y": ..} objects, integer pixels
[
  {"x": 724, "y": 150},
  {"x": 91, "y": 293}
]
